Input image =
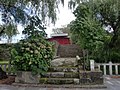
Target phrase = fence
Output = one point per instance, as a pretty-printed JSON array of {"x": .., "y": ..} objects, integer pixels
[
  {"x": 107, "y": 68},
  {"x": 7, "y": 68}
]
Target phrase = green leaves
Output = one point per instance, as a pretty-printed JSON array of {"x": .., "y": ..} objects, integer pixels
[
  {"x": 42, "y": 8},
  {"x": 33, "y": 53},
  {"x": 37, "y": 61},
  {"x": 34, "y": 28},
  {"x": 86, "y": 30}
]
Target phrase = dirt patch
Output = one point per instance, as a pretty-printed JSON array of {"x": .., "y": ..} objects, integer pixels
[
  {"x": 115, "y": 76},
  {"x": 8, "y": 81}
]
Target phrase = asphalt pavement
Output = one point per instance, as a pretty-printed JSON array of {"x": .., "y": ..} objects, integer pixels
[{"x": 111, "y": 83}]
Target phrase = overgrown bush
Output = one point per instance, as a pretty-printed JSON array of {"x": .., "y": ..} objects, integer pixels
[{"x": 32, "y": 55}]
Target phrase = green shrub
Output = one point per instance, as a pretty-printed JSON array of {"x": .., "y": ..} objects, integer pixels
[{"x": 32, "y": 54}]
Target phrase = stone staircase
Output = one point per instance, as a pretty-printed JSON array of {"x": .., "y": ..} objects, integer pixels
[
  {"x": 61, "y": 75},
  {"x": 62, "y": 71},
  {"x": 66, "y": 71}
]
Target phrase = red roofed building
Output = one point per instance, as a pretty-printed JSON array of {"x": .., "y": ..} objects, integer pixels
[{"x": 62, "y": 38}]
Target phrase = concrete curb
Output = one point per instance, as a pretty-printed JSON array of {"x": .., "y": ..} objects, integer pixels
[{"x": 60, "y": 86}]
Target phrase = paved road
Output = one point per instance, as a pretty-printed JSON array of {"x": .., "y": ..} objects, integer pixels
[{"x": 112, "y": 84}]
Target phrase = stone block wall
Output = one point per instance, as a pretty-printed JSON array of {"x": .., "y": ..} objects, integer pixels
[
  {"x": 26, "y": 77},
  {"x": 69, "y": 51},
  {"x": 91, "y": 77}
]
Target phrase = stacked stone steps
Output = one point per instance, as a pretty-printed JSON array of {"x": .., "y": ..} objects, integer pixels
[
  {"x": 61, "y": 75},
  {"x": 59, "y": 80},
  {"x": 71, "y": 76},
  {"x": 68, "y": 71},
  {"x": 64, "y": 69}
]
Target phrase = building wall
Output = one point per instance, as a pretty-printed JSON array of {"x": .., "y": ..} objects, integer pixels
[{"x": 61, "y": 40}]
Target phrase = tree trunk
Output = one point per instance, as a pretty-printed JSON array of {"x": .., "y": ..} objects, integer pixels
[{"x": 3, "y": 74}]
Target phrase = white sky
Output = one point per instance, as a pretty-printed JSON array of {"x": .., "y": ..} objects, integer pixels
[{"x": 65, "y": 16}]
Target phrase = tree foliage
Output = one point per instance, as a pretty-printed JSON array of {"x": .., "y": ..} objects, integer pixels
[
  {"x": 8, "y": 32},
  {"x": 14, "y": 12},
  {"x": 88, "y": 29},
  {"x": 18, "y": 8},
  {"x": 35, "y": 27}
]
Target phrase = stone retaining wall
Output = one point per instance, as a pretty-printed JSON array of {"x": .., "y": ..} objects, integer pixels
[
  {"x": 69, "y": 51},
  {"x": 91, "y": 77}
]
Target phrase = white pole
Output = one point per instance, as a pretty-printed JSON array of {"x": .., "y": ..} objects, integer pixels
[
  {"x": 92, "y": 65},
  {"x": 116, "y": 69},
  {"x": 110, "y": 67},
  {"x": 104, "y": 69}
]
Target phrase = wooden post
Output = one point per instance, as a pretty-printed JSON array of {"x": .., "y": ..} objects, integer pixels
[
  {"x": 92, "y": 65},
  {"x": 110, "y": 67}
]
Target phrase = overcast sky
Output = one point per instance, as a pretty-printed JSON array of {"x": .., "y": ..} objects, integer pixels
[{"x": 65, "y": 16}]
